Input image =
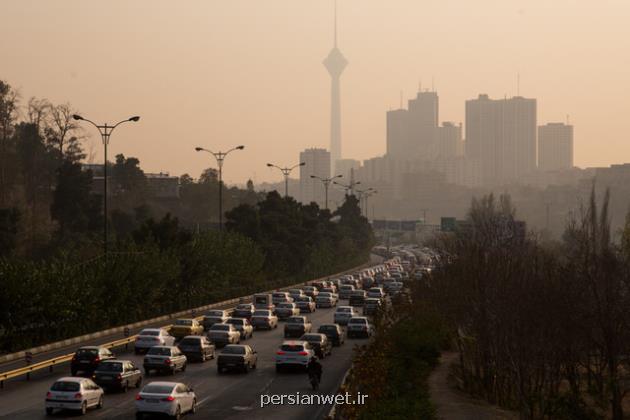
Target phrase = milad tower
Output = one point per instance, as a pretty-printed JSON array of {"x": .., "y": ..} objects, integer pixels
[{"x": 335, "y": 63}]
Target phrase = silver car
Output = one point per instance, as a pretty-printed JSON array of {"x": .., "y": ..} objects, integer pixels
[
  {"x": 359, "y": 327},
  {"x": 343, "y": 314},
  {"x": 286, "y": 310},
  {"x": 264, "y": 318},
  {"x": 150, "y": 337},
  {"x": 345, "y": 290},
  {"x": 170, "y": 398},
  {"x": 74, "y": 393},
  {"x": 293, "y": 353},
  {"x": 326, "y": 300}
]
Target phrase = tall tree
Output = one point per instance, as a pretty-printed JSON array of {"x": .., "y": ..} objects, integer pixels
[{"x": 8, "y": 163}]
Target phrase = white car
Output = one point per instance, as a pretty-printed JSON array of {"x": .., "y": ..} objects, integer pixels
[
  {"x": 326, "y": 300},
  {"x": 74, "y": 393},
  {"x": 294, "y": 353},
  {"x": 170, "y": 398},
  {"x": 376, "y": 292},
  {"x": 150, "y": 337},
  {"x": 343, "y": 314}
]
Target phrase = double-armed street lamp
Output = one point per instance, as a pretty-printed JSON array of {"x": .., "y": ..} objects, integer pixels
[
  {"x": 365, "y": 194},
  {"x": 326, "y": 182},
  {"x": 286, "y": 172},
  {"x": 220, "y": 157},
  {"x": 349, "y": 187},
  {"x": 105, "y": 130}
]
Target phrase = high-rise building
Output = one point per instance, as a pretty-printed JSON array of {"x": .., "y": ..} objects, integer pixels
[
  {"x": 501, "y": 135},
  {"x": 317, "y": 162},
  {"x": 335, "y": 63},
  {"x": 345, "y": 166},
  {"x": 423, "y": 122},
  {"x": 449, "y": 141},
  {"x": 555, "y": 146},
  {"x": 398, "y": 145}
]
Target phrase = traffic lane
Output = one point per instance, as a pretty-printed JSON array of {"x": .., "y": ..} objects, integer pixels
[{"x": 26, "y": 400}]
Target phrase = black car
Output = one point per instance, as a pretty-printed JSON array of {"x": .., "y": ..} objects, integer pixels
[
  {"x": 87, "y": 358},
  {"x": 334, "y": 333},
  {"x": 320, "y": 343},
  {"x": 243, "y": 310},
  {"x": 117, "y": 374},
  {"x": 196, "y": 347},
  {"x": 237, "y": 357}
]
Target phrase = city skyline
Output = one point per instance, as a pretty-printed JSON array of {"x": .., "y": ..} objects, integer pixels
[{"x": 204, "y": 104}]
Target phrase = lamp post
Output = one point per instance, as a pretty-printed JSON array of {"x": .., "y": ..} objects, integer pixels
[
  {"x": 220, "y": 157},
  {"x": 326, "y": 182},
  {"x": 349, "y": 187},
  {"x": 286, "y": 172},
  {"x": 365, "y": 194},
  {"x": 106, "y": 131}
]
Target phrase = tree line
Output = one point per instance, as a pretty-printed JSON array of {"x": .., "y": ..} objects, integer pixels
[{"x": 542, "y": 326}]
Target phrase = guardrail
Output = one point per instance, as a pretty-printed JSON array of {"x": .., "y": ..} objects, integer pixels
[{"x": 51, "y": 363}]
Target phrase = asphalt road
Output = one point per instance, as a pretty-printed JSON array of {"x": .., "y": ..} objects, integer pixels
[{"x": 228, "y": 396}]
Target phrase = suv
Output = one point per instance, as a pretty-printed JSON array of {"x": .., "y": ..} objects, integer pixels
[
  {"x": 293, "y": 353},
  {"x": 164, "y": 359},
  {"x": 87, "y": 358}
]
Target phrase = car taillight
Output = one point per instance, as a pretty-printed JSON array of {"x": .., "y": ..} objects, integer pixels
[
  {"x": 78, "y": 395},
  {"x": 167, "y": 362},
  {"x": 138, "y": 397},
  {"x": 280, "y": 352},
  {"x": 48, "y": 394},
  {"x": 303, "y": 353},
  {"x": 169, "y": 398},
  {"x": 96, "y": 360},
  {"x": 119, "y": 377}
]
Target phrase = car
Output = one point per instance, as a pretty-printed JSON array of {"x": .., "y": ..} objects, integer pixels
[
  {"x": 326, "y": 300},
  {"x": 150, "y": 337},
  {"x": 87, "y": 358},
  {"x": 345, "y": 290},
  {"x": 217, "y": 316},
  {"x": 243, "y": 310},
  {"x": 264, "y": 318},
  {"x": 72, "y": 393},
  {"x": 170, "y": 398},
  {"x": 224, "y": 334},
  {"x": 320, "y": 343},
  {"x": 243, "y": 326},
  {"x": 359, "y": 326},
  {"x": 296, "y": 293},
  {"x": 394, "y": 287},
  {"x": 117, "y": 374},
  {"x": 296, "y": 326},
  {"x": 196, "y": 347},
  {"x": 319, "y": 284},
  {"x": 357, "y": 298},
  {"x": 263, "y": 301},
  {"x": 371, "y": 306},
  {"x": 334, "y": 333},
  {"x": 183, "y": 327},
  {"x": 368, "y": 281},
  {"x": 293, "y": 354},
  {"x": 343, "y": 314},
  {"x": 235, "y": 356},
  {"x": 330, "y": 289},
  {"x": 280, "y": 297},
  {"x": 164, "y": 359},
  {"x": 311, "y": 291},
  {"x": 285, "y": 310},
  {"x": 376, "y": 292},
  {"x": 305, "y": 304}
]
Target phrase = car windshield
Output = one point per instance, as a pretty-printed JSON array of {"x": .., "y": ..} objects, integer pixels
[
  {"x": 110, "y": 367},
  {"x": 87, "y": 352},
  {"x": 311, "y": 337},
  {"x": 234, "y": 321},
  {"x": 244, "y": 307},
  {"x": 304, "y": 299},
  {"x": 215, "y": 313},
  {"x": 279, "y": 295},
  {"x": 63, "y": 386},
  {"x": 285, "y": 306},
  {"x": 292, "y": 347},
  {"x": 347, "y": 287},
  {"x": 328, "y": 328},
  {"x": 190, "y": 342},
  {"x": 159, "y": 351},
  {"x": 295, "y": 321},
  {"x": 220, "y": 327},
  {"x": 261, "y": 313},
  {"x": 233, "y": 350},
  {"x": 158, "y": 389},
  {"x": 324, "y": 294},
  {"x": 344, "y": 310},
  {"x": 186, "y": 322},
  {"x": 358, "y": 321},
  {"x": 149, "y": 332}
]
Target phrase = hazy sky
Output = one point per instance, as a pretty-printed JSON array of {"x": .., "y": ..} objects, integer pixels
[{"x": 221, "y": 73}]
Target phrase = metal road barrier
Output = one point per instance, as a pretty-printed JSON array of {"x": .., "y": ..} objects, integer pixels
[{"x": 51, "y": 363}]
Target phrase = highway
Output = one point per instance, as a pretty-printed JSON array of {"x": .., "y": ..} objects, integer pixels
[{"x": 226, "y": 396}]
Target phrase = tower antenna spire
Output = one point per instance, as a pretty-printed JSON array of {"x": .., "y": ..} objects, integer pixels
[{"x": 335, "y": 23}]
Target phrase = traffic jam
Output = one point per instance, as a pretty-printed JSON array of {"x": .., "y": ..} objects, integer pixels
[{"x": 223, "y": 335}]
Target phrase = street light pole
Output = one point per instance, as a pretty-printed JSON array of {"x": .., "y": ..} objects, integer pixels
[
  {"x": 326, "y": 182},
  {"x": 349, "y": 187},
  {"x": 286, "y": 172},
  {"x": 220, "y": 157},
  {"x": 106, "y": 131}
]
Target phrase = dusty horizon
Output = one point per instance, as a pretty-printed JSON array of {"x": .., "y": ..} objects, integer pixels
[{"x": 217, "y": 74}]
